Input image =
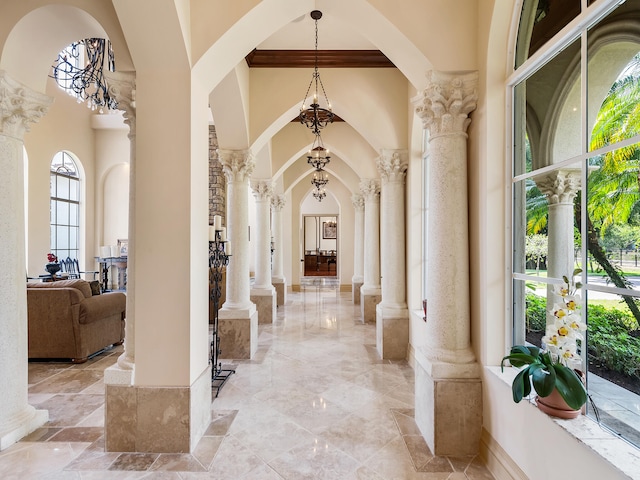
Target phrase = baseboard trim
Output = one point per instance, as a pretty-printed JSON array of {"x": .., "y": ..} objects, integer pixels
[{"x": 497, "y": 461}]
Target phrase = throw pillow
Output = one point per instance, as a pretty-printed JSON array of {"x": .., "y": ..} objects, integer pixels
[{"x": 95, "y": 287}]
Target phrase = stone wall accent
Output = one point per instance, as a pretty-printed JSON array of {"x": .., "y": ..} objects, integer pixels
[{"x": 217, "y": 181}]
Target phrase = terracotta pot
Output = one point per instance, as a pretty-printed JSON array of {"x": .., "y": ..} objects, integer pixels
[{"x": 555, "y": 406}]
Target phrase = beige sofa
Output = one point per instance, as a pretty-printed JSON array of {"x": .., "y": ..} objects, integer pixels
[{"x": 67, "y": 322}]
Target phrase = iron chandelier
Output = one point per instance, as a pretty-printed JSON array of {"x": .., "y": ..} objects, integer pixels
[
  {"x": 318, "y": 156},
  {"x": 316, "y": 117}
]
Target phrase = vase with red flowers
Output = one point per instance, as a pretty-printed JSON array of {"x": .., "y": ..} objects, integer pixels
[{"x": 52, "y": 266}]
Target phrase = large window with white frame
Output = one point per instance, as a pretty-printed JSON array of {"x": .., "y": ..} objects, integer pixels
[
  {"x": 65, "y": 206},
  {"x": 575, "y": 186}
]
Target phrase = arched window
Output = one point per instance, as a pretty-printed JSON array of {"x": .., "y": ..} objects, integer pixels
[
  {"x": 65, "y": 206},
  {"x": 575, "y": 189}
]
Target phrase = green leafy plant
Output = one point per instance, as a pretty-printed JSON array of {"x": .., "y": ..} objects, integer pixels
[
  {"x": 546, "y": 374},
  {"x": 551, "y": 368}
]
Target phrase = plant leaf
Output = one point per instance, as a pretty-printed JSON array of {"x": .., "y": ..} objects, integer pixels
[
  {"x": 570, "y": 386},
  {"x": 521, "y": 386},
  {"x": 544, "y": 380},
  {"x": 519, "y": 359}
]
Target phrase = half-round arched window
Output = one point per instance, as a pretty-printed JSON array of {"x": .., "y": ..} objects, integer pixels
[{"x": 65, "y": 206}]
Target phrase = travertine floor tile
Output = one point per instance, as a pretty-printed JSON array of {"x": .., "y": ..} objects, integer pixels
[{"x": 315, "y": 402}]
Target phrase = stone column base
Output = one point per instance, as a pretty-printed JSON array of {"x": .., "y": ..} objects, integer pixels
[
  {"x": 392, "y": 333},
  {"x": 26, "y": 422},
  {"x": 156, "y": 419},
  {"x": 265, "y": 301},
  {"x": 448, "y": 406},
  {"x": 281, "y": 292},
  {"x": 369, "y": 298},
  {"x": 238, "y": 332},
  {"x": 355, "y": 292}
]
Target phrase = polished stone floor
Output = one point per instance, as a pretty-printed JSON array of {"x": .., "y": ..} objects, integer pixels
[{"x": 314, "y": 403}]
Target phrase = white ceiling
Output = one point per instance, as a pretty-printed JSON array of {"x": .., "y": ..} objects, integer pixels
[{"x": 300, "y": 35}]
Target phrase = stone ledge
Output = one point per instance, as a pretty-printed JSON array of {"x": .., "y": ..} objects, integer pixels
[{"x": 617, "y": 453}]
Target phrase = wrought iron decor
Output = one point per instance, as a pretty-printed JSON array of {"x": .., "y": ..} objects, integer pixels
[
  {"x": 218, "y": 259},
  {"x": 84, "y": 77}
]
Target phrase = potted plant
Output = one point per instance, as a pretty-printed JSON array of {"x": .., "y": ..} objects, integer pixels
[{"x": 552, "y": 370}]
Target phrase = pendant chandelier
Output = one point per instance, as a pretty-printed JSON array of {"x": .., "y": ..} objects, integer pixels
[
  {"x": 320, "y": 179},
  {"x": 319, "y": 194},
  {"x": 315, "y": 117},
  {"x": 318, "y": 156}
]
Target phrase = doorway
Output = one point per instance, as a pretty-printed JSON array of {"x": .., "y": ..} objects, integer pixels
[{"x": 320, "y": 246}]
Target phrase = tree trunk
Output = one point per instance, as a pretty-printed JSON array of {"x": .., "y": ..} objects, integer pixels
[{"x": 599, "y": 255}]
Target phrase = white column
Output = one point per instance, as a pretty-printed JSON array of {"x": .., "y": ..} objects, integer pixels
[
  {"x": 277, "y": 274},
  {"x": 448, "y": 386},
  {"x": 263, "y": 294},
  {"x": 392, "y": 167},
  {"x": 358, "y": 248},
  {"x": 19, "y": 106},
  {"x": 122, "y": 87},
  {"x": 238, "y": 318},
  {"x": 237, "y": 165},
  {"x": 370, "y": 292},
  {"x": 560, "y": 187},
  {"x": 392, "y": 315}
]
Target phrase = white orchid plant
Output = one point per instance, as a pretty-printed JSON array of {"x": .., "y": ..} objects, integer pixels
[
  {"x": 553, "y": 367},
  {"x": 561, "y": 338}
]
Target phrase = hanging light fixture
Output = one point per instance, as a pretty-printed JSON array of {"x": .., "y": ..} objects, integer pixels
[
  {"x": 319, "y": 194},
  {"x": 318, "y": 156},
  {"x": 86, "y": 83},
  {"x": 315, "y": 117},
  {"x": 320, "y": 179}
]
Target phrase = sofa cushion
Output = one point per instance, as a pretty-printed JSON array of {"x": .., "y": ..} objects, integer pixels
[
  {"x": 77, "y": 283},
  {"x": 95, "y": 287},
  {"x": 102, "y": 306}
]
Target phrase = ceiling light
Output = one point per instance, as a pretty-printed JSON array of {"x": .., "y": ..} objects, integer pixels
[{"x": 316, "y": 117}]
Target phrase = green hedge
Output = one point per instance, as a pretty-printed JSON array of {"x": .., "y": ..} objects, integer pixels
[
  {"x": 609, "y": 339},
  {"x": 610, "y": 343},
  {"x": 536, "y": 312}
]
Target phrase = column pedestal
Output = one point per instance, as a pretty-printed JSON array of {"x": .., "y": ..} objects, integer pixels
[
  {"x": 448, "y": 409},
  {"x": 369, "y": 299},
  {"x": 21, "y": 425},
  {"x": 392, "y": 332},
  {"x": 155, "y": 419},
  {"x": 238, "y": 330},
  {"x": 266, "y": 301},
  {"x": 355, "y": 291},
  {"x": 281, "y": 291}
]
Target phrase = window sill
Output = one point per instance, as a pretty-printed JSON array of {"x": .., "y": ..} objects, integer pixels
[{"x": 621, "y": 455}]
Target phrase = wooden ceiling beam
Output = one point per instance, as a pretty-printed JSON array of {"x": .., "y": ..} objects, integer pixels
[{"x": 326, "y": 59}]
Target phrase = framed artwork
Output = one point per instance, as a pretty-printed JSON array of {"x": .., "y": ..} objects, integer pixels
[
  {"x": 123, "y": 247},
  {"x": 329, "y": 230}
]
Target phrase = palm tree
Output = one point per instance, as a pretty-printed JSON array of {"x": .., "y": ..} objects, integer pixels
[{"x": 614, "y": 187}]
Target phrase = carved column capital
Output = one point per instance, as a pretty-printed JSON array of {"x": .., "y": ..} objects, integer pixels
[
  {"x": 237, "y": 165},
  {"x": 444, "y": 105},
  {"x": 262, "y": 190},
  {"x": 278, "y": 202},
  {"x": 19, "y": 106},
  {"x": 392, "y": 165},
  {"x": 370, "y": 189},
  {"x": 122, "y": 87},
  {"x": 358, "y": 202},
  {"x": 559, "y": 186}
]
